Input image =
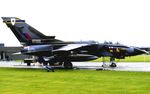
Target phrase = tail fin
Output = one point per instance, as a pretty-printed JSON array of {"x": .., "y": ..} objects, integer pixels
[{"x": 24, "y": 32}]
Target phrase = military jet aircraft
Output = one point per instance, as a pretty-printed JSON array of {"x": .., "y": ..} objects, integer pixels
[{"x": 51, "y": 50}]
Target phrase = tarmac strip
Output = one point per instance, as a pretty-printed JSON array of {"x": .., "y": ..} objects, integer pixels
[{"x": 128, "y": 66}]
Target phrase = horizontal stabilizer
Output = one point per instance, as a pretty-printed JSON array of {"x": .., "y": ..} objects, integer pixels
[{"x": 18, "y": 53}]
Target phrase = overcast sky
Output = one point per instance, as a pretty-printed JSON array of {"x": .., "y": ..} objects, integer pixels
[{"x": 124, "y": 21}]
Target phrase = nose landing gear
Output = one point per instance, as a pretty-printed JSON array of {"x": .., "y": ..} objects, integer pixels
[{"x": 112, "y": 63}]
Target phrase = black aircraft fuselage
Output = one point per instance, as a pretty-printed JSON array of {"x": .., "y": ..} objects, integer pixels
[{"x": 100, "y": 50}]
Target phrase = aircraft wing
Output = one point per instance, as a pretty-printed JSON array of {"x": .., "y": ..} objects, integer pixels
[{"x": 70, "y": 47}]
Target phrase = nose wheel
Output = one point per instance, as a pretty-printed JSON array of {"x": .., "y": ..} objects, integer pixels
[{"x": 113, "y": 65}]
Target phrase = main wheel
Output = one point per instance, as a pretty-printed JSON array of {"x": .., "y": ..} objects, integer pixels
[
  {"x": 68, "y": 65},
  {"x": 113, "y": 65},
  {"x": 28, "y": 64},
  {"x": 45, "y": 63}
]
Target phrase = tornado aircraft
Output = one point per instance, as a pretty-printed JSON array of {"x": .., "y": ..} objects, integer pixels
[{"x": 51, "y": 50}]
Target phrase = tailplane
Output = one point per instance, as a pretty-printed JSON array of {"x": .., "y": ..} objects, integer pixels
[{"x": 26, "y": 34}]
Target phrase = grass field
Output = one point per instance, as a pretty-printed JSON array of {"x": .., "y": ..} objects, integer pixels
[
  {"x": 139, "y": 58},
  {"x": 38, "y": 81}
]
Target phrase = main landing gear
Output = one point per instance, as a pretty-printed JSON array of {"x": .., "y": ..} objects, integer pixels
[
  {"x": 67, "y": 65},
  {"x": 112, "y": 63}
]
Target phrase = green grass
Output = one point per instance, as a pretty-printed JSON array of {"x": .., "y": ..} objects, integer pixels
[
  {"x": 38, "y": 81},
  {"x": 139, "y": 58}
]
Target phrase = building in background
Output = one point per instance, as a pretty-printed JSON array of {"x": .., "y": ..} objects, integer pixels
[{"x": 7, "y": 53}]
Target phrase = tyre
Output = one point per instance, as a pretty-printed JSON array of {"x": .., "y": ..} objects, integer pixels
[
  {"x": 68, "y": 65},
  {"x": 113, "y": 65}
]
